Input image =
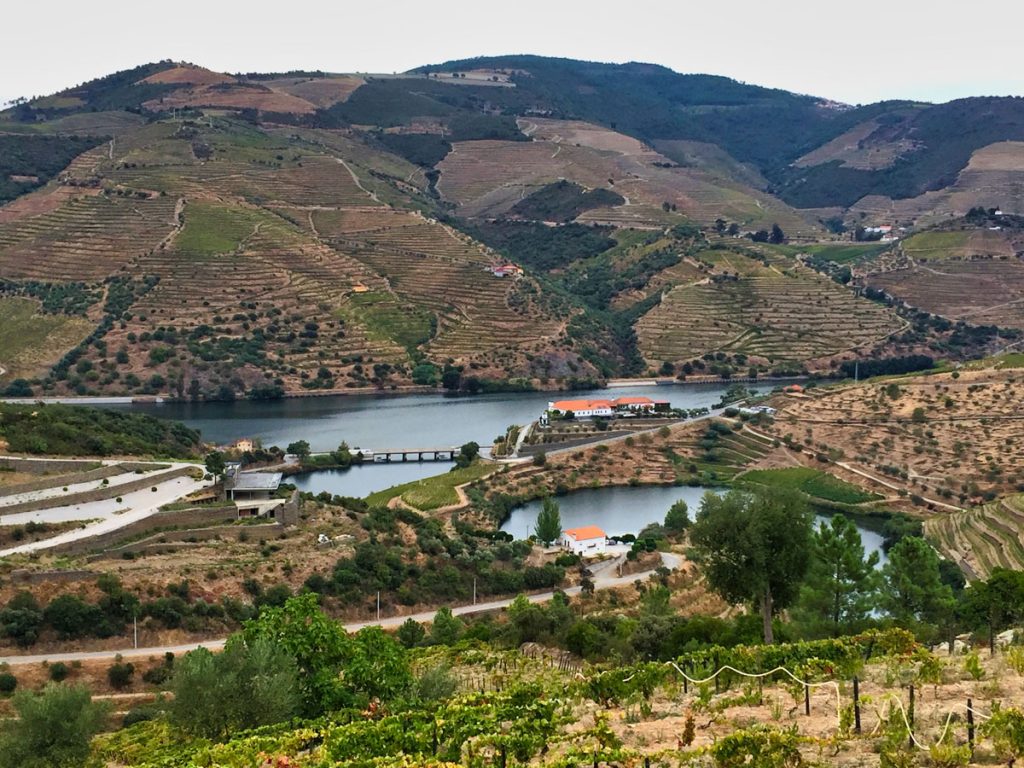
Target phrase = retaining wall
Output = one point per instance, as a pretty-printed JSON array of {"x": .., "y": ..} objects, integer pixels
[
  {"x": 203, "y": 516},
  {"x": 98, "y": 494}
]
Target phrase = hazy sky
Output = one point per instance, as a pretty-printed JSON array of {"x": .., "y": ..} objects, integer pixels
[{"x": 856, "y": 52}]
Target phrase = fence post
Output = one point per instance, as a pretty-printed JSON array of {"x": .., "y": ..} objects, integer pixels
[
  {"x": 807, "y": 699},
  {"x": 910, "y": 717},
  {"x": 717, "y": 676},
  {"x": 856, "y": 705},
  {"x": 970, "y": 726}
]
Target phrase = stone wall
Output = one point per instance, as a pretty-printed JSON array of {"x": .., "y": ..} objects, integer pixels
[
  {"x": 173, "y": 541},
  {"x": 193, "y": 516},
  {"x": 97, "y": 494}
]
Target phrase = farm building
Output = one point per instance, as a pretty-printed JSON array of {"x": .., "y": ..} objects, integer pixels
[
  {"x": 582, "y": 408},
  {"x": 506, "y": 270},
  {"x": 253, "y": 492},
  {"x": 586, "y": 541},
  {"x": 623, "y": 405}
]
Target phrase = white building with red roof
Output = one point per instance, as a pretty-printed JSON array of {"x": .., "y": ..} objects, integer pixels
[
  {"x": 586, "y": 541},
  {"x": 591, "y": 408}
]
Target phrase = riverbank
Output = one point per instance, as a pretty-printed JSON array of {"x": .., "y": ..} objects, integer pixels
[{"x": 402, "y": 391}]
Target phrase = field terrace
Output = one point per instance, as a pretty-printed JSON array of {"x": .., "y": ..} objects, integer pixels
[
  {"x": 994, "y": 176},
  {"x": 981, "y": 291},
  {"x": 982, "y": 538},
  {"x": 960, "y": 449},
  {"x": 445, "y": 272},
  {"x": 87, "y": 239},
  {"x": 777, "y": 314}
]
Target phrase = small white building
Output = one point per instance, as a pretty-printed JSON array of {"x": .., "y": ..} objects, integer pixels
[{"x": 586, "y": 541}]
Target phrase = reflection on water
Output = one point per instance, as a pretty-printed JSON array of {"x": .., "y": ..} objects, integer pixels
[
  {"x": 388, "y": 422},
  {"x": 619, "y": 511},
  {"x": 363, "y": 479}
]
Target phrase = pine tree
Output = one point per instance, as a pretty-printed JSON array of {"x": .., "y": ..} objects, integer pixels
[{"x": 549, "y": 522}]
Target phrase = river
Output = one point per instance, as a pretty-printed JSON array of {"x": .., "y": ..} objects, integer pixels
[
  {"x": 622, "y": 510},
  {"x": 376, "y": 422}
]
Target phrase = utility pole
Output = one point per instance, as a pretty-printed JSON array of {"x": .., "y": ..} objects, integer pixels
[
  {"x": 378, "y": 605},
  {"x": 474, "y": 590},
  {"x": 135, "y": 628},
  {"x": 856, "y": 371}
]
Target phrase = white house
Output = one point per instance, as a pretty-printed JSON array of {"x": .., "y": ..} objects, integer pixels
[
  {"x": 583, "y": 408},
  {"x": 586, "y": 541}
]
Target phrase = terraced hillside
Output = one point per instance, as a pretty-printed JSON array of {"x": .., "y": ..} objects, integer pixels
[
  {"x": 776, "y": 311},
  {"x": 982, "y": 538},
  {"x": 944, "y": 442},
  {"x": 486, "y": 178},
  {"x": 249, "y": 261},
  {"x": 993, "y": 176}
]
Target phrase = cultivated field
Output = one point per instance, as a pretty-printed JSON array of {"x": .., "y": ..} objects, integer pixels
[
  {"x": 983, "y": 291},
  {"x": 29, "y": 339},
  {"x": 779, "y": 314}
]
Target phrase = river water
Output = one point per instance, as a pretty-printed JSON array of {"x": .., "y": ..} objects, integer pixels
[
  {"x": 395, "y": 421},
  {"x": 376, "y": 422},
  {"x": 618, "y": 511}
]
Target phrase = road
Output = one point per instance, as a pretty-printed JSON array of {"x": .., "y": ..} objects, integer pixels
[{"x": 601, "y": 581}]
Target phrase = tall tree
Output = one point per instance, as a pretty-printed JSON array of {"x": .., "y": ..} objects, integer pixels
[
  {"x": 777, "y": 236},
  {"x": 215, "y": 464},
  {"x": 913, "y": 590},
  {"x": 842, "y": 584},
  {"x": 754, "y": 547},
  {"x": 549, "y": 522},
  {"x": 677, "y": 519}
]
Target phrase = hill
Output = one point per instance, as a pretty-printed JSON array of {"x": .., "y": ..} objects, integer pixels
[{"x": 229, "y": 235}]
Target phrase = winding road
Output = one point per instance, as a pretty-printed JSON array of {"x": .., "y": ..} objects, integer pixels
[{"x": 600, "y": 578}]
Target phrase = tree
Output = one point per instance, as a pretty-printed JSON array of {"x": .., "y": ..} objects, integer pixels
[
  {"x": 53, "y": 728},
  {"x": 299, "y": 448},
  {"x": 842, "y": 584},
  {"x": 446, "y": 628},
  {"x": 720, "y": 225},
  {"x": 318, "y": 644},
  {"x": 733, "y": 230},
  {"x": 411, "y": 633},
  {"x": 777, "y": 237},
  {"x": 993, "y": 604},
  {"x": 754, "y": 547},
  {"x": 245, "y": 686},
  {"x": 377, "y": 666},
  {"x": 215, "y": 464},
  {"x": 72, "y": 617},
  {"x": 761, "y": 236},
  {"x": 913, "y": 589},
  {"x": 21, "y": 619},
  {"x": 468, "y": 453},
  {"x": 677, "y": 519},
  {"x": 549, "y": 522}
]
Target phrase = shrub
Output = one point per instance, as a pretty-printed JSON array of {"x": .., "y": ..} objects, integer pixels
[
  {"x": 59, "y": 671},
  {"x": 8, "y": 683},
  {"x": 120, "y": 674}
]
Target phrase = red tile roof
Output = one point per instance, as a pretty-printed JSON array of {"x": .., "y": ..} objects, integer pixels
[
  {"x": 581, "y": 405},
  {"x": 586, "y": 532}
]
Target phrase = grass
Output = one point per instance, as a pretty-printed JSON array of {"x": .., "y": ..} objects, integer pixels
[
  {"x": 384, "y": 317},
  {"x": 847, "y": 253},
  {"x": 211, "y": 229},
  {"x": 29, "y": 341},
  {"x": 432, "y": 492},
  {"x": 931, "y": 242},
  {"x": 813, "y": 482}
]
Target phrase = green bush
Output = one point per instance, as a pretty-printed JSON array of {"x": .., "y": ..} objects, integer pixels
[{"x": 8, "y": 683}]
